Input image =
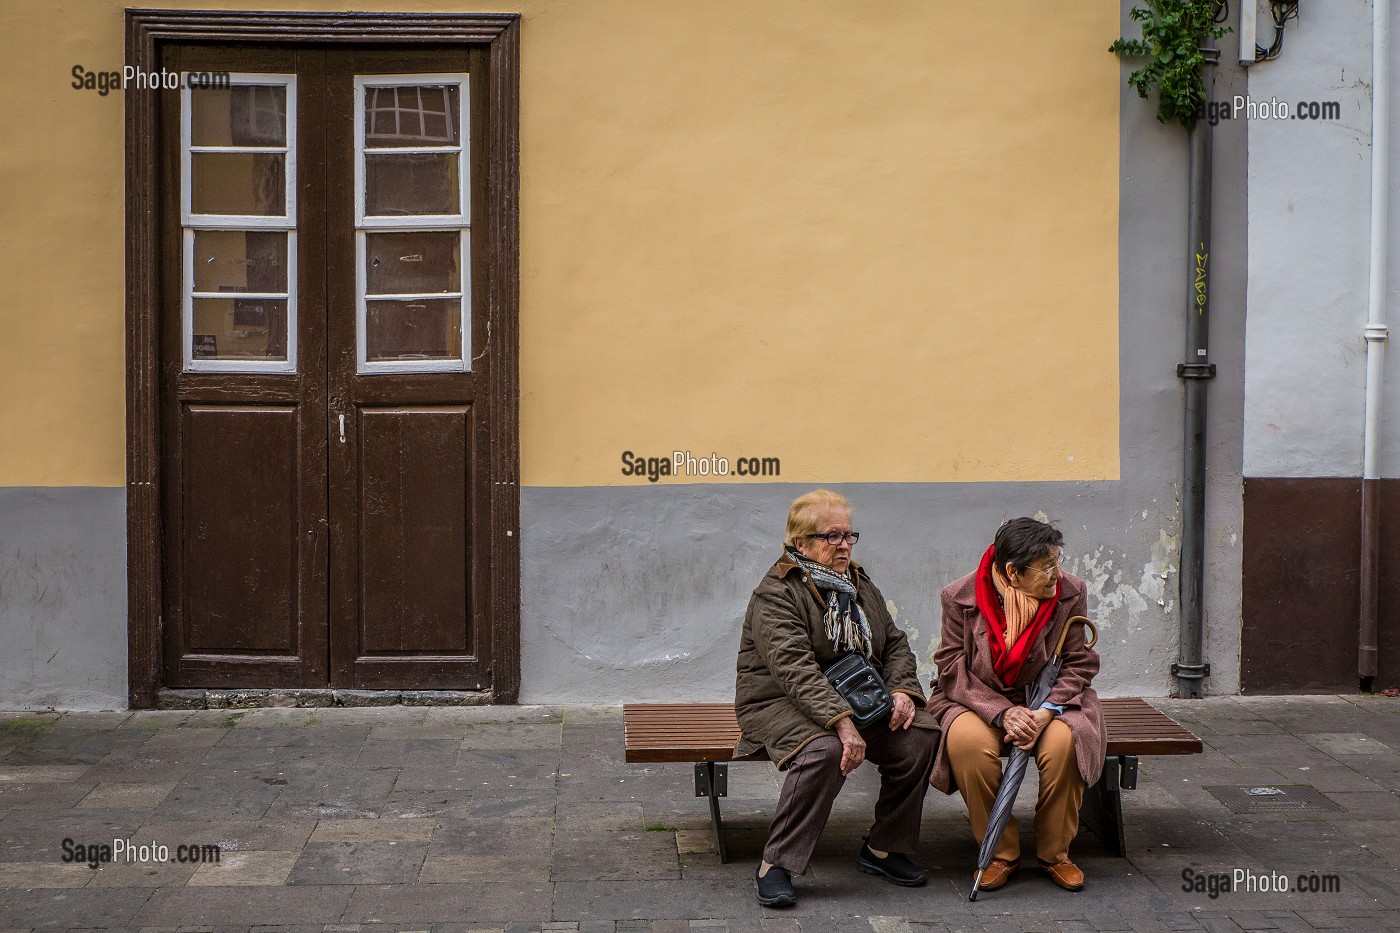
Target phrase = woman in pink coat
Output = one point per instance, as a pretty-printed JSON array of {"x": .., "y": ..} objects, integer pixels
[{"x": 1000, "y": 626}]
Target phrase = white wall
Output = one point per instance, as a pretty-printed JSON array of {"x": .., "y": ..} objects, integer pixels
[{"x": 1309, "y": 217}]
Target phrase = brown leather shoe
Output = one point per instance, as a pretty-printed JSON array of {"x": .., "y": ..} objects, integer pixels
[
  {"x": 1066, "y": 874},
  {"x": 998, "y": 873}
]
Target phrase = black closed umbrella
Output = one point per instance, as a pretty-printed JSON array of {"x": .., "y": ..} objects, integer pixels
[{"x": 1036, "y": 693}]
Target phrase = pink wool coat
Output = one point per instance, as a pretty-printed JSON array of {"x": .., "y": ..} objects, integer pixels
[{"x": 966, "y": 680}]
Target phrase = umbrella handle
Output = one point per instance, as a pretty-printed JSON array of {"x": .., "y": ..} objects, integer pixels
[{"x": 1093, "y": 638}]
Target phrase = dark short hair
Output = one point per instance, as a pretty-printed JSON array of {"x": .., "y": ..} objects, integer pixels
[{"x": 1023, "y": 541}]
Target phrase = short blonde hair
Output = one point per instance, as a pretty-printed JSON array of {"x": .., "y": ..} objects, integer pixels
[{"x": 802, "y": 514}]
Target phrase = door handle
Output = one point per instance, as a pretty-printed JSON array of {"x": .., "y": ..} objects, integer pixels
[{"x": 342, "y": 429}]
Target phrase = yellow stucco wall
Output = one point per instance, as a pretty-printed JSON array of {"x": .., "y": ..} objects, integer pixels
[{"x": 876, "y": 240}]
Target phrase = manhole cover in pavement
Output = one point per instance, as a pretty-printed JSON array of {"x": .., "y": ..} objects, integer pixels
[{"x": 1274, "y": 798}]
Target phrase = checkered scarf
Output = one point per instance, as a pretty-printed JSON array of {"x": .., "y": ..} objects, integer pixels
[{"x": 846, "y": 628}]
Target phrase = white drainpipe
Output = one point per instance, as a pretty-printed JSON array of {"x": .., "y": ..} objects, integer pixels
[{"x": 1376, "y": 335}]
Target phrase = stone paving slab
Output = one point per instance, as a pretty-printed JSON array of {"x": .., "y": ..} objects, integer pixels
[
  {"x": 46, "y": 874},
  {"x": 392, "y": 830},
  {"x": 231, "y": 835},
  {"x": 592, "y": 855},
  {"x": 430, "y": 803},
  {"x": 48, "y": 795},
  {"x": 418, "y": 753},
  {"x": 359, "y": 863},
  {"x": 109, "y": 794},
  {"x": 246, "y": 868},
  {"x": 37, "y": 835},
  {"x": 83, "y": 908},
  {"x": 428, "y": 903},
  {"x": 252, "y": 905}
]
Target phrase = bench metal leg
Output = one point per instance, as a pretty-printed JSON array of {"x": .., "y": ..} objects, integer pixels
[
  {"x": 1102, "y": 810},
  {"x": 712, "y": 780}
]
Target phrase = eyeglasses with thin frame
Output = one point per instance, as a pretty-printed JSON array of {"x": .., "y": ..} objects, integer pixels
[
  {"x": 1047, "y": 572},
  {"x": 834, "y": 538}
]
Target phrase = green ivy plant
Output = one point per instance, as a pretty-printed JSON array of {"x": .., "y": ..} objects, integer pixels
[{"x": 1172, "y": 33}]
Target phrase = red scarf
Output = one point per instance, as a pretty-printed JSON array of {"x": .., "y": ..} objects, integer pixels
[{"x": 1007, "y": 662}]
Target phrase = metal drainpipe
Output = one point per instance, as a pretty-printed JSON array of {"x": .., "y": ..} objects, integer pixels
[
  {"x": 1190, "y": 669},
  {"x": 1376, "y": 334}
]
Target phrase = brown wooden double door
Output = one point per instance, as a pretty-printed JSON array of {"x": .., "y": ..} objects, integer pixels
[{"x": 324, "y": 426}]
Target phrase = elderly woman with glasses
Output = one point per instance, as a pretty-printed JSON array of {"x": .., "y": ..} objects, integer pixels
[
  {"x": 1000, "y": 626},
  {"x": 813, "y": 607}
]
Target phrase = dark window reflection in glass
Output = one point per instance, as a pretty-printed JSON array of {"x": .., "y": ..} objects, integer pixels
[
  {"x": 414, "y": 115},
  {"x": 240, "y": 329},
  {"x": 240, "y": 261},
  {"x": 408, "y": 263},
  {"x": 408, "y": 184},
  {"x": 239, "y": 184},
  {"x": 252, "y": 115},
  {"x": 429, "y": 329}
]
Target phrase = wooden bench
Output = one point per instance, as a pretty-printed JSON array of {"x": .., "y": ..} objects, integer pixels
[{"x": 706, "y": 733}]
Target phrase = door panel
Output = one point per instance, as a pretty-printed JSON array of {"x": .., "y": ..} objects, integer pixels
[
  {"x": 415, "y": 556},
  {"x": 245, "y": 539},
  {"x": 408, "y": 507},
  {"x": 239, "y": 537}
]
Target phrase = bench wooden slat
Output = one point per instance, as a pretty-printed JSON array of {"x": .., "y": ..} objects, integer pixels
[{"x": 709, "y": 731}]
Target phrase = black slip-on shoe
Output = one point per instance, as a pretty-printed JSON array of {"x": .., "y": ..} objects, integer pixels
[
  {"x": 775, "y": 888},
  {"x": 895, "y": 868}
]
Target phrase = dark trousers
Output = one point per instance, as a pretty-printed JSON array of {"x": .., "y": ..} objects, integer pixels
[{"x": 814, "y": 778}]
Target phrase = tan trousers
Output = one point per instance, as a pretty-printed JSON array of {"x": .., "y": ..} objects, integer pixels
[{"x": 974, "y": 752}]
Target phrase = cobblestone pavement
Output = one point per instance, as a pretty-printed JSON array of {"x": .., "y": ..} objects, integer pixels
[{"x": 527, "y": 820}]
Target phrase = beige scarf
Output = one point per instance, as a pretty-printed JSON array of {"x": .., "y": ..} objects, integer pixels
[{"x": 1020, "y": 608}]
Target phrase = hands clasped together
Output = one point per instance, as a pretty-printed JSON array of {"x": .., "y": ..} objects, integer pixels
[{"x": 1023, "y": 726}]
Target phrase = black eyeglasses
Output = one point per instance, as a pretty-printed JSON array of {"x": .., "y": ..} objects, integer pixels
[{"x": 834, "y": 538}]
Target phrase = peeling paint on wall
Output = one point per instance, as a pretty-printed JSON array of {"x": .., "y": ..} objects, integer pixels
[{"x": 1122, "y": 602}]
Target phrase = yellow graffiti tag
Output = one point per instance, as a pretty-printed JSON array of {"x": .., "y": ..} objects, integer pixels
[{"x": 1202, "y": 258}]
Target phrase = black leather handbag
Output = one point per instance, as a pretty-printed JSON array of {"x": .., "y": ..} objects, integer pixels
[{"x": 863, "y": 689}]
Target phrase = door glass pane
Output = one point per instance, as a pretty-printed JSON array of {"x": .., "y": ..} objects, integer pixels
[
  {"x": 401, "y": 184},
  {"x": 240, "y": 261},
  {"x": 253, "y": 115},
  {"x": 416, "y": 115},
  {"x": 407, "y": 263},
  {"x": 238, "y": 183},
  {"x": 240, "y": 329},
  {"x": 414, "y": 330}
]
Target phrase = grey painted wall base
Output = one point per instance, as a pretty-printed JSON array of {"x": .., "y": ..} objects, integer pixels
[
  {"x": 63, "y": 598},
  {"x": 638, "y": 594}
]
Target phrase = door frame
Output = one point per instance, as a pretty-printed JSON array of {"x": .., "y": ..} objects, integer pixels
[{"x": 499, "y": 34}]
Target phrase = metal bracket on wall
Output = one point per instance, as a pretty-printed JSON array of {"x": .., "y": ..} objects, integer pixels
[
  {"x": 1190, "y": 670},
  {"x": 1128, "y": 772},
  {"x": 1195, "y": 370}
]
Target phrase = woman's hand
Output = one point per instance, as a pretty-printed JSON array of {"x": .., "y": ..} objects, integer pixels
[
  {"x": 852, "y": 745},
  {"x": 1023, "y": 727},
  {"x": 903, "y": 713}
]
